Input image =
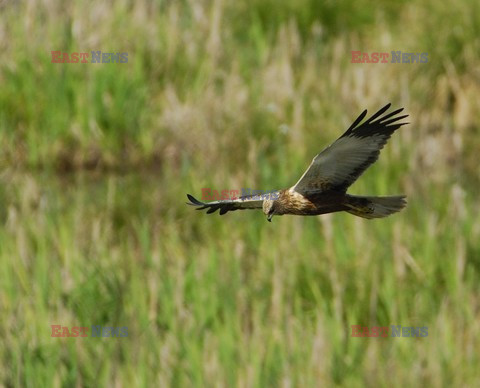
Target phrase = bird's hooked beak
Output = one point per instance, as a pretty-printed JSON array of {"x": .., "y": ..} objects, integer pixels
[{"x": 269, "y": 217}]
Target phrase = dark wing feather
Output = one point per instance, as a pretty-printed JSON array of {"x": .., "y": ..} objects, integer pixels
[
  {"x": 241, "y": 203},
  {"x": 340, "y": 164}
]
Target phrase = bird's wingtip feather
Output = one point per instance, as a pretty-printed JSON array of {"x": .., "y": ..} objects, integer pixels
[{"x": 193, "y": 201}]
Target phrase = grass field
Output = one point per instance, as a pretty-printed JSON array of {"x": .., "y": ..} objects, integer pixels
[{"x": 96, "y": 159}]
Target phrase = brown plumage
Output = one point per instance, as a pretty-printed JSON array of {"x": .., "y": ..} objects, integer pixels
[{"x": 323, "y": 187}]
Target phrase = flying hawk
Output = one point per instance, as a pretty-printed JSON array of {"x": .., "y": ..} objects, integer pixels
[{"x": 323, "y": 187}]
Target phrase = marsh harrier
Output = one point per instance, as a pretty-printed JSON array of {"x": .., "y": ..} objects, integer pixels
[{"x": 323, "y": 187}]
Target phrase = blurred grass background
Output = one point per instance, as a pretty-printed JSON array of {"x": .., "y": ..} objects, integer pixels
[{"x": 95, "y": 161}]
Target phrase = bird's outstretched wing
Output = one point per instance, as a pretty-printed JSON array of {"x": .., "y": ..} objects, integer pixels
[
  {"x": 340, "y": 164},
  {"x": 240, "y": 203}
]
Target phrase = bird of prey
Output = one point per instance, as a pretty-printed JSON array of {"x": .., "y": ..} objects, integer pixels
[{"x": 323, "y": 187}]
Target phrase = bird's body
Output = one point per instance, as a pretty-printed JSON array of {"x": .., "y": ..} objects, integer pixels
[
  {"x": 323, "y": 187},
  {"x": 291, "y": 202}
]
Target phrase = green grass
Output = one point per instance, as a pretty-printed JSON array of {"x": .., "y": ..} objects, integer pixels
[{"x": 95, "y": 162}]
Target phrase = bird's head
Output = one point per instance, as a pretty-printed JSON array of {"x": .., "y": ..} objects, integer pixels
[{"x": 269, "y": 208}]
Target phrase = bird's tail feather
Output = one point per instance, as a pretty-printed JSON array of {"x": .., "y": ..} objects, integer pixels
[{"x": 375, "y": 207}]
